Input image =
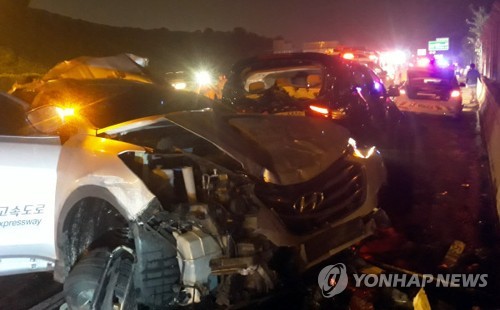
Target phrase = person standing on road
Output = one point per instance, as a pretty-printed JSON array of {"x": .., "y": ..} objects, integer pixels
[{"x": 471, "y": 80}]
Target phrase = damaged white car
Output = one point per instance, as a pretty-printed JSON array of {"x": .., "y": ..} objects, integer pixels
[{"x": 178, "y": 209}]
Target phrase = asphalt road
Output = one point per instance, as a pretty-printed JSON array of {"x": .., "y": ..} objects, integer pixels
[{"x": 439, "y": 192}]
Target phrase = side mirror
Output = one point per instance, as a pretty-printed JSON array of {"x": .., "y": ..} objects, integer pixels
[
  {"x": 46, "y": 119},
  {"x": 393, "y": 91}
]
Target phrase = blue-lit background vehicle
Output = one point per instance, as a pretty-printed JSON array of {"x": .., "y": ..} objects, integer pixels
[{"x": 431, "y": 89}]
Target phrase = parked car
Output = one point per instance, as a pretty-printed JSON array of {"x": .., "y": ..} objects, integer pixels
[
  {"x": 431, "y": 90},
  {"x": 315, "y": 84},
  {"x": 177, "y": 209}
]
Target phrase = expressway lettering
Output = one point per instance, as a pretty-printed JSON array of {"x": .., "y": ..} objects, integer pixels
[
  {"x": 33, "y": 222},
  {"x": 22, "y": 210}
]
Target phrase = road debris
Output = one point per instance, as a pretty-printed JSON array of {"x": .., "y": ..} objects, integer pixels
[
  {"x": 420, "y": 301},
  {"x": 454, "y": 252}
]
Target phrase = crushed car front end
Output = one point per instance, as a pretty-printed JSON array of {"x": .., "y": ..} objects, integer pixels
[
  {"x": 204, "y": 206},
  {"x": 229, "y": 199}
]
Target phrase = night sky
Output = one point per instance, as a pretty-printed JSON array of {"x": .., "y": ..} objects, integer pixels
[{"x": 370, "y": 23}]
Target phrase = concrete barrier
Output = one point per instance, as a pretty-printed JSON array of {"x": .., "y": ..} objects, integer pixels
[{"x": 489, "y": 117}]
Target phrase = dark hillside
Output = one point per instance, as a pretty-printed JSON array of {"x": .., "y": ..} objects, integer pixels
[{"x": 32, "y": 41}]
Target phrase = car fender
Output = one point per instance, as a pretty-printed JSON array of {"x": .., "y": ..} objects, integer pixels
[
  {"x": 94, "y": 188},
  {"x": 87, "y": 160}
]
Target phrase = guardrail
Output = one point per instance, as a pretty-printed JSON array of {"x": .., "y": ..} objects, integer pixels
[{"x": 489, "y": 117}]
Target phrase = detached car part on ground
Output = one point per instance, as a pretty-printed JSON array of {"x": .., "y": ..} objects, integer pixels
[
  {"x": 202, "y": 207},
  {"x": 315, "y": 84}
]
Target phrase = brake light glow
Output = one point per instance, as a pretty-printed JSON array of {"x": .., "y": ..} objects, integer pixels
[
  {"x": 348, "y": 56},
  {"x": 179, "y": 85},
  {"x": 455, "y": 94},
  {"x": 320, "y": 110},
  {"x": 423, "y": 62}
]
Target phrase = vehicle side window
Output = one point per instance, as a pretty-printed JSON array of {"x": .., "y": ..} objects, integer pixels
[
  {"x": 374, "y": 77},
  {"x": 12, "y": 118},
  {"x": 378, "y": 86},
  {"x": 344, "y": 82},
  {"x": 362, "y": 79},
  {"x": 368, "y": 81}
]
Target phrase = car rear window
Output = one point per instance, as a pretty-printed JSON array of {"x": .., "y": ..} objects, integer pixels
[
  {"x": 442, "y": 78},
  {"x": 281, "y": 84}
]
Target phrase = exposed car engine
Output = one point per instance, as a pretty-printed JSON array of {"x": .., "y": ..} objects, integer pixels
[
  {"x": 211, "y": 214},
  {"x": 230, "y": 225}
]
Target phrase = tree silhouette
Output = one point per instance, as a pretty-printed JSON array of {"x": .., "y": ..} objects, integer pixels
[
  {"x": 42, "y": 39},
  {"x": 476, "y": 25}
]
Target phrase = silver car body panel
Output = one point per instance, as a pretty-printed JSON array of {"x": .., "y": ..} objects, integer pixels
[
  {"x": 94, "y": 161},
  {"x": 33, "y": 212},
  {"x": 28, "y": 169}
]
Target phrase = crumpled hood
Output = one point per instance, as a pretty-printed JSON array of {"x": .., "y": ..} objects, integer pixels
[{"x": 283, "y": 150}]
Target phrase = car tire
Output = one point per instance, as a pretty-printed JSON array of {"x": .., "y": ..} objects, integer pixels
[{"x": 83, "y": 279}]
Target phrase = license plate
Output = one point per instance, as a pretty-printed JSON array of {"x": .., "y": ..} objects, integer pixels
[{"x": 292, "y": 113}]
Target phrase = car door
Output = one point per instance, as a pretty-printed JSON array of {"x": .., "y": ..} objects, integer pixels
[
  {"x": 373, "y": 91},
  {"x": 28, "y": 174}
]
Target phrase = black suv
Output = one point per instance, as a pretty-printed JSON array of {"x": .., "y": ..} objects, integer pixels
[{"x": 314, "y": 84}]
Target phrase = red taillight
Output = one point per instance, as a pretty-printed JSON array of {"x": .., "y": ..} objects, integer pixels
[
  {"x": 319, "y": 109},
  {"x": 348, "y": 56},
  {"x": 455, "y": 94}
]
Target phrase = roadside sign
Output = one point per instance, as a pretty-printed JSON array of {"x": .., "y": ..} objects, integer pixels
[
  {"x": 421, "y": 52},
  {"x": 441, "y": 45},
  {"x": 438, "y": 46}
]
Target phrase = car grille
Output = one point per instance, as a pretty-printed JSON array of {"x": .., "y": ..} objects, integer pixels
[{"x": 338, "y": 191}]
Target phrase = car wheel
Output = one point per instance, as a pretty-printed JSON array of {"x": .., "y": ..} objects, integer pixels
[{"x": 83, "y": 280}]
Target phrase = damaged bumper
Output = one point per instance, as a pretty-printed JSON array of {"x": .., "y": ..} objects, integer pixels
[{"x": 332, "y": 240}]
